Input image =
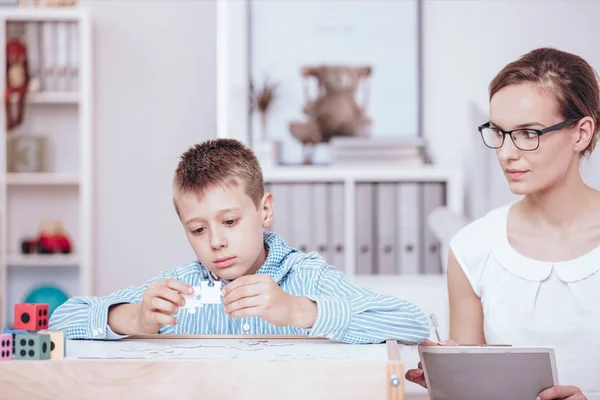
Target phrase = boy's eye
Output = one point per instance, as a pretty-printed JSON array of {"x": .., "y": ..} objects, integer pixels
[
  {"x": 198, "y": 231},
  {"x": 230, "y": 222}
]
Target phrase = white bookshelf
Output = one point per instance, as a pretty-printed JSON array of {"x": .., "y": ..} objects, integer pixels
[
  {"x": 306, "y": 178},
  {"x": 64, "y": 192}
]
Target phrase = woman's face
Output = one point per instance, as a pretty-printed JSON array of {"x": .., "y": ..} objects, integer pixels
[{"x": 527, "y": 105}]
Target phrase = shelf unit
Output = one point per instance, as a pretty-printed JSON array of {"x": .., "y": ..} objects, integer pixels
[
  {"x": 65, "y": 191},
  {"x": 304, "y": 182}
]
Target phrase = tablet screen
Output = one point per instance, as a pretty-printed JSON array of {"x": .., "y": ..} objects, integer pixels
[{"x": 495, "y": 375}]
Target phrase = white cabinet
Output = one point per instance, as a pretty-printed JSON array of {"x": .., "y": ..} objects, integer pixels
[
  {"x": 59, "y": 110},
  {"x": 364, "y": 221}
]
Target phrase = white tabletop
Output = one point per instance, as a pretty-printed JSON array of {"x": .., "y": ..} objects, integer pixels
[{"x": 275, "y": 350}]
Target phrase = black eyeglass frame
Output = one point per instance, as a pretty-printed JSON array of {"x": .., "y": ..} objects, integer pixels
[{"x": 539, "y": 132}]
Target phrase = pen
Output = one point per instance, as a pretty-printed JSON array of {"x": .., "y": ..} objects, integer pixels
[{"x": 436, "y": 325}]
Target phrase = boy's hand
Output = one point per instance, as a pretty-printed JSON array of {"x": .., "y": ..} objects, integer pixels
[
  {"x": 260, "y": 296},
  {"x": 159, "y": 302}
]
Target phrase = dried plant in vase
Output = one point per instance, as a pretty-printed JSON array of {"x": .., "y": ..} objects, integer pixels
[{"x": 261, "y": 101}]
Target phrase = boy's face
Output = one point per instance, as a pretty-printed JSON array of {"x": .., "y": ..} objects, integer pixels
[{"x": 225, "y": 228}]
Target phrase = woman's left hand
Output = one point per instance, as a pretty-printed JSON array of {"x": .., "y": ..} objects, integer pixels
[{"x": 562, "y": 392}]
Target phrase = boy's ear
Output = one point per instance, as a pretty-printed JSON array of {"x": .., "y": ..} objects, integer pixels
[{"x": 266, "y": 209}]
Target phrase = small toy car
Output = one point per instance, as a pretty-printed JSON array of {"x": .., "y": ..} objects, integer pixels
[{"x": 51, "y": 239}]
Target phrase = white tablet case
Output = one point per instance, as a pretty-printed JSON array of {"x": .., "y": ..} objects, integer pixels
[{"x": 491, "y": 373}]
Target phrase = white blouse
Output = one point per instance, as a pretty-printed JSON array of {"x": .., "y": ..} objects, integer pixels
[{"x": 534, "y": 303}]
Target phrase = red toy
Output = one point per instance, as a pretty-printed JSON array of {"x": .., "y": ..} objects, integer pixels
[
  {"x": 51, "y": 239},
  {"x": 31, "y": 317},
  {"x": 17, "y": 81}
]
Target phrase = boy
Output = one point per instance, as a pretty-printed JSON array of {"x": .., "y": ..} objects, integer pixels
[{"x": 267, "y": 287}]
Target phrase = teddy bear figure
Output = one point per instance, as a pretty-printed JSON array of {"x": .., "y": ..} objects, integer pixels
[{"x": 335, "y": 112}]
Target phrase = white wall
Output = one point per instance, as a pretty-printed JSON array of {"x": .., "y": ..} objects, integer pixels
[
  {"x": 465, "y": 43},
  {"x": 154, "y": 96}
]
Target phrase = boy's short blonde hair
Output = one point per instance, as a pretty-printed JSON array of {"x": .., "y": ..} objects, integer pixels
[{"x": 219, "y": 162}]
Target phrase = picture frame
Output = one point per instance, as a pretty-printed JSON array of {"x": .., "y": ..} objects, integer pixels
[{"x": 396, "y": 113}]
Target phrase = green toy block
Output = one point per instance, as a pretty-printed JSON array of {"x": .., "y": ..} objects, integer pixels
[{"x": 32, "y": 346}]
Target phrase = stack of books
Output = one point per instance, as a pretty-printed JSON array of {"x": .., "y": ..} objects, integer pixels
[{"x": 359, "y": 151}]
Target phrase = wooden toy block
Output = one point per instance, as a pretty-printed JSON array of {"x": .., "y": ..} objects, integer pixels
[
  {"x": 58, "y": 344},
  {"x": 31, "y": 317},
  {"x": 32, "y": 346},
  {"x": 6, "y": 346},
  {"x": 13, "y": 334}
]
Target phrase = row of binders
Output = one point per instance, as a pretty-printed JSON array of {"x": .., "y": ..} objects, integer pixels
[
  {"x": 53, "y": 53},
  {"x": 391, "y": 233},
  {"x": 30, "y": 339}
]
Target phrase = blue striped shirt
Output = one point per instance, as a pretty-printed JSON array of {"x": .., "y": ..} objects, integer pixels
[{"x": 345, "y": 311}]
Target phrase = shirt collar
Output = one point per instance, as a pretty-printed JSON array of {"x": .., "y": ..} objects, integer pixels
[{"x": 274, "y": 266}]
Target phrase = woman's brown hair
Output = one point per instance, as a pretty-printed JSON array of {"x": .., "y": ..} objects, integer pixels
[{"x": 573, "y": 81}]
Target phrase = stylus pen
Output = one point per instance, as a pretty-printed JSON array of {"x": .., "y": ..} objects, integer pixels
[{"x": 436, "y": 325}]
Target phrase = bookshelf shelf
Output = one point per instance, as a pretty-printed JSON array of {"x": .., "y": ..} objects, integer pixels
[
  {"x": 53, "y": 98},
  {"x": 41, "y": 260},
  {"x": 41, "y": 178}
]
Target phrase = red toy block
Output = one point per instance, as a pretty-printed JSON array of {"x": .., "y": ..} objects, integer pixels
[
  {"x": 6, "y": 346},
  {"x": 31, "y": 317}
]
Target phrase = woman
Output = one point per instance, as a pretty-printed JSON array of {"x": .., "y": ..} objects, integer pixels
[{"x": 527, "y": 274}]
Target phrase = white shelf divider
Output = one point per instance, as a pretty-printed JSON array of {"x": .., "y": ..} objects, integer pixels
[
  {"x": 42, "y": 178},
  {"x": 53, "y": 98},
  {"x": 42, "y": 260}
]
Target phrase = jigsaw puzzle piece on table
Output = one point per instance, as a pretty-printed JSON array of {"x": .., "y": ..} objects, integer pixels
[
  {"x": 32, "y": 346},
  {"x": 58, "y": 344},
  {"x": 203, "y": 294},
  {"x": 6, "y": 346},
  {"x": 31, "y": 317},
  {"x": 13, "y": 333}
]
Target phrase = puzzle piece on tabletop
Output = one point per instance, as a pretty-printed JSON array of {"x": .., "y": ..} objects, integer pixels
[
  {"x": 203, "y": 294},
  {"x": 6, "y": 346},
  {"x": 31, "y": 317},
  {"x": 14, "y": 333},
  {"x": 32, "y": 346},
  {"x": 58, "y": 344}
]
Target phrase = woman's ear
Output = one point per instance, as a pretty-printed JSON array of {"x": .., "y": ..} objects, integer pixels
[
  {"x": 266, "y": 210},
  {"x": 585, "y": 130}
]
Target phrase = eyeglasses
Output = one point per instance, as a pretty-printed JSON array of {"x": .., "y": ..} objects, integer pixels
[{"x": 524, "y": 139}]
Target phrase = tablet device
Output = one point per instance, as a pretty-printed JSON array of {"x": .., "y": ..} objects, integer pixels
[{"x": 487, "y": 372}]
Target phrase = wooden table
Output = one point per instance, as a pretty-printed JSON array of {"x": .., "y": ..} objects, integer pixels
[{"x": 210, "y": 367}]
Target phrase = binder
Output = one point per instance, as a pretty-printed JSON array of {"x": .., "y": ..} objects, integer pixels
[
  {"x": 364, "y": 229},
  {"x": 385, "y": 256},
  {"x": 300, "y": 215},
  {"x": 336, "y": 240},
  {"x": 409, "y": 225},
  {"x": 433, "y": 195},
  {"x": 320, "y": 226},
  {"x": 282, "y": 211}
]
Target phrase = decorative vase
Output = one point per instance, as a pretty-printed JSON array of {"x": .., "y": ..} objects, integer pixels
[{"x": 267, "y": 152}]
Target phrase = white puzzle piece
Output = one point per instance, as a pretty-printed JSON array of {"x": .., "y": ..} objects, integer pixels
[{"x": 203, "y": 294}]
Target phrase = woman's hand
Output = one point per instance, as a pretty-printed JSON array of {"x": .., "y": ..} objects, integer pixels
[
  {"x": 417, "y": 375},
  {"x": 562, "y": 392}
]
